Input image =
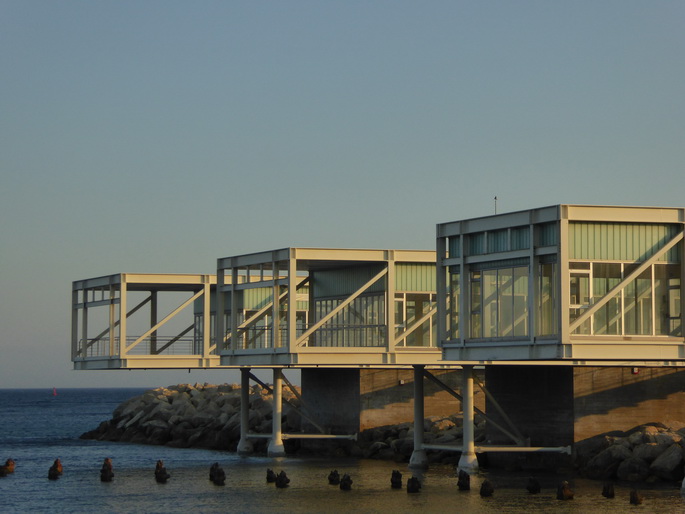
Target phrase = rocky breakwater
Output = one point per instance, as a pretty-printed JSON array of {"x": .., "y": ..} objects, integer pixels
[
  {"x": 208, "y": 416},
  {"x": 200, "y": 416},
  {"x": 647, "y": 453}
]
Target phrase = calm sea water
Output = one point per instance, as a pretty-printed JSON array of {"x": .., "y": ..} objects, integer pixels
[{"x": 37, "y": 427}]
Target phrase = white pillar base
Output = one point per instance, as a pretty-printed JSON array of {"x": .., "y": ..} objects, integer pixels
[
  {"x": 468, "y": 462},
  {"x": 245, "y": 448},
  {"x": 275, "y": 449},
  {"x": 418, "y": 460}
]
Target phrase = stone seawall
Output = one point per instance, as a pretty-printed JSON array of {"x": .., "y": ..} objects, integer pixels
[{"x": 208, "y": 416}]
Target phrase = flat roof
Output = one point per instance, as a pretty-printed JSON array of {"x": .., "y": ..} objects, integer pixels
[{"x": 571, "y": 212}]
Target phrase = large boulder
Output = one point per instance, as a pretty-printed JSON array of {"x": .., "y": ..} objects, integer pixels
[
  {"x": 603, "y": 466},
  {"x": 648, "y": 452},
  {"x": 669, "y": 465},
  {"x": 633, "y": 469}
]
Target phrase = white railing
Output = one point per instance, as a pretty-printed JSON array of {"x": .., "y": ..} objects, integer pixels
[{"x": 158, "y": 346}]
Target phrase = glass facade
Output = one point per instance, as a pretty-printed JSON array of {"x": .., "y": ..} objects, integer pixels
[
  {"x": 647, "y": 305},
  {"x": 499, "y": 303},
  {"x": 409, "y": 309},
  {"x": 361, "y": 323},
  {"x": 517, "y": 283},
  {"x": 454, "y": 292},
  {"x": 547, "y": 323}
]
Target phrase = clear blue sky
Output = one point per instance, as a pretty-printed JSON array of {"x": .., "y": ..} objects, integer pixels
[{"x": 158, "y": 136}]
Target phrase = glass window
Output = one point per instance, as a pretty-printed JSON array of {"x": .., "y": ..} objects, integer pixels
[
  {"x": 648, "y": 305},
  {"x": 579, "y": 289},
  {"x": 667, "y": 299},
  {"x": 489, "y": 303},
  {"x": 637, "y": 303},
  {"x": 606, "y": 276},
  {"x": 454, "y": 292},
  {"x": 505, "y": 297},
  {"x": 520, "y": 297},
  {"x": 579, "y": 265},
  {"x": 476, "y": 305},
  {"x": 499, "y": 302},
  {"x": 546, "y": 319}
]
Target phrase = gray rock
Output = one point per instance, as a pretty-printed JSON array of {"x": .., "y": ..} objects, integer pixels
[
  {"x": 377, "y": 447},
  {"x": 648, "y": 451},
  {"x": 669, "y": 465},
  {"x": 604, "y": 465},
  {"x": 667, "y": 438},
  {"x": 633, "y": 469}
]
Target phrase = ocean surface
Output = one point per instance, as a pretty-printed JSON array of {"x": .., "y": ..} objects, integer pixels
[{"x": 37, "y": 427}]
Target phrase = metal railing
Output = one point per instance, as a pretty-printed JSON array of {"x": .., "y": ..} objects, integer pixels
[
  {"x": 160, "y": 345},
  {"x": 352, "y": 336}
]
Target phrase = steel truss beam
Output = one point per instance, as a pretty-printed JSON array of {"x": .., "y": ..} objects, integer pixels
[{"x": 166, "y": 319}]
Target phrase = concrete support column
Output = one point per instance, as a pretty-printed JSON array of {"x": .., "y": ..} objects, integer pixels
[
  {"x": 276, "y": 448},
  {"x": 244, "y": 445},
  {"x": 418, "y": 459},
  {"x": 468, "y": 461}
]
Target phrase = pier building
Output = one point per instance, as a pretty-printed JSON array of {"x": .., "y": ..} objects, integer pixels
[
  {"x": 567, "y": 318},
  {"x": 362, "y": 320},
  {"x": 575, "y": 312}
]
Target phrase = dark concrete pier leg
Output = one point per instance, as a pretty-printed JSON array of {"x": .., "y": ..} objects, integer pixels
[
  {"x": 418, "y": 459},
  {"x": 244, "y": 445}
]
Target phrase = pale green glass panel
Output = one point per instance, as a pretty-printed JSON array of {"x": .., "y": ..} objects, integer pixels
[
  {"x": 667, "y": 283},
  {"x": 476, "y": 325},
  {"x": 607, "y": 320},
  {"x": 579, "y": 289},
  {"x": 520, "y": 302},
  {"x": 505, "y": 296},
  {"x": 546, "y": 318},
  {"x": 454, "y": 294},
  {"x": 638, "y": 303},
  {"x": 490, "y": 303}
]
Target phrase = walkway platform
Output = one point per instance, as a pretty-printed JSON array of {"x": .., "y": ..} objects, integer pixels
[{"x": 353, "y": 308}]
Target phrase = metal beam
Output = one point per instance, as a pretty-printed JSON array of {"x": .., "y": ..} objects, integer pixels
[
  {"x": 116, "y": 323},
  {"x": 496, "y": 425},
  {"x": 179, "y": 336},
  {"x": 499, "y": 408},
  {"x": 167, "y": 318}
]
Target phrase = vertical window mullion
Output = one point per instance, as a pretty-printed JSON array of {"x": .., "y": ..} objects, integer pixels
[
  {"x": 652, "y": 271},
  {"x": 622, "y": 302}
]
